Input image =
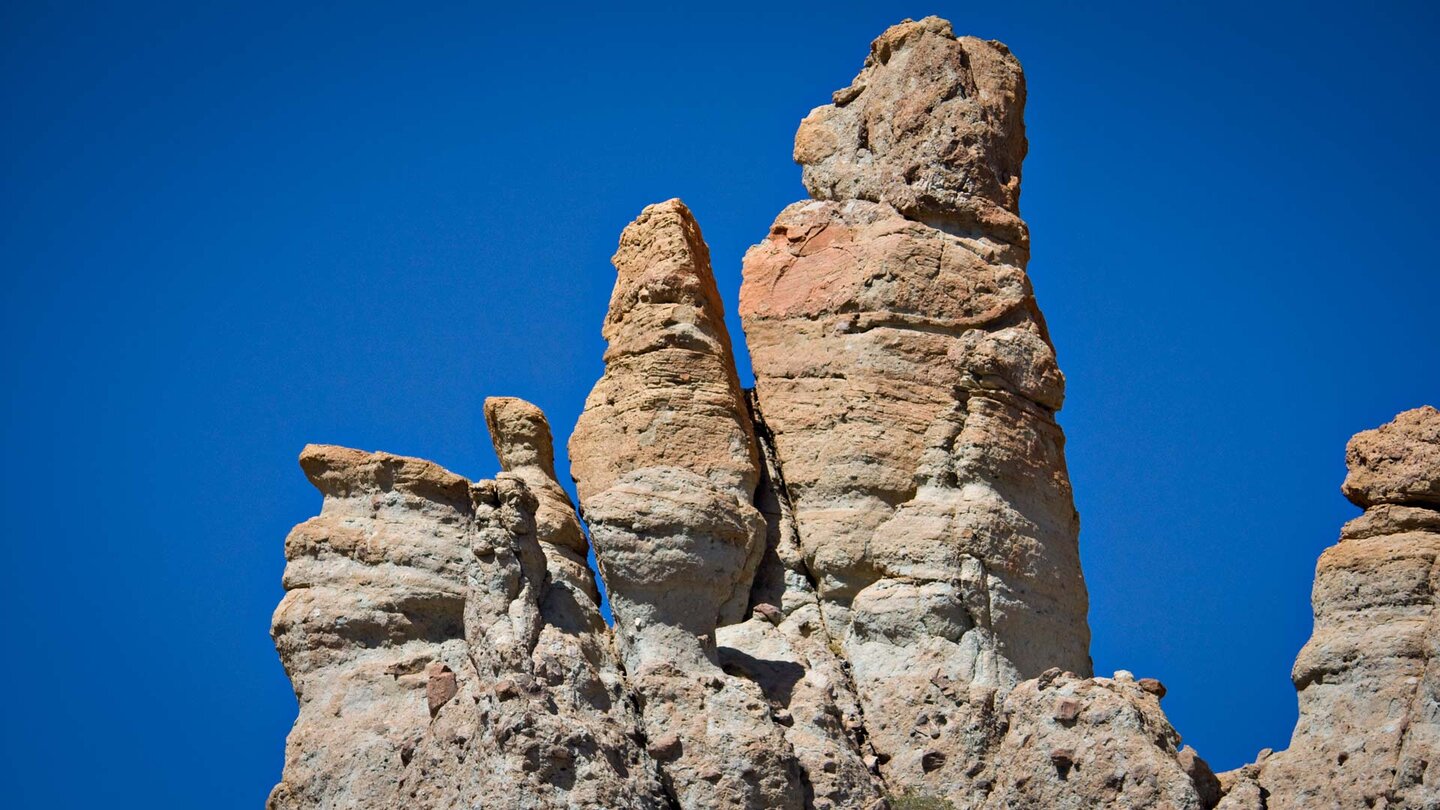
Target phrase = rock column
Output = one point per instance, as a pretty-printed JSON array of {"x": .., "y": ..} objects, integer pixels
[
  {"x": 908, "y": 380},
  {"x": 665, "y": 462}
]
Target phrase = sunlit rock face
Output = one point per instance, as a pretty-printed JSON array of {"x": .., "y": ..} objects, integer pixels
[
  {"x": 856, "y": 585},
  {"x": 420, "y": 632},
  {"x": 1369, "y": 678},
  {"x": 910, "y": 386}
]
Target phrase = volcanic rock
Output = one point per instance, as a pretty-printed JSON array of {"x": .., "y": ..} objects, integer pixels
[
  {"x": 1369, "y": 678},
  {"x": 857, "y": 585}
]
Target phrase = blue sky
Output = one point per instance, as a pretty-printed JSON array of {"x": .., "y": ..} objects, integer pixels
[{"x": 231, "y": 229}]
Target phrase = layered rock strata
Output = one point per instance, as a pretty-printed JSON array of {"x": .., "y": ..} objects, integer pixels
[
  {"x": 855, "y": 586},
  {"x": 665, "y": 462},
  {"x": 910, "y": 385},
  {"x": 1369, "y": 678}
]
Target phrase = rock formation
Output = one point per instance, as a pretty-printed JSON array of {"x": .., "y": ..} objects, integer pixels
[
  {"x": 1369, "y": 678},
  {"x": 857, "y": 585},
  {"x": 417, "y": 629},
  {"x": 910, "y": 387}
]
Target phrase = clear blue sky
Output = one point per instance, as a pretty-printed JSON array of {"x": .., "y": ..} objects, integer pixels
[{"x": 231, "y": 229}]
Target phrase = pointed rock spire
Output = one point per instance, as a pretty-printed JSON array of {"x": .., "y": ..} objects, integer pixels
[
  {"x": 664, "y": 457},
  {"x": 670, "y": 396}
]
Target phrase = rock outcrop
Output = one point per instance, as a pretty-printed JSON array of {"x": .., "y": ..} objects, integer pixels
[
  {"x": 910, "y": 386},
  {"x": 665, "y": 462},
  {"x": 857, "y": 585},
  {"x": 1369, "y": 678},
  {"x": 415, "y": 632}
]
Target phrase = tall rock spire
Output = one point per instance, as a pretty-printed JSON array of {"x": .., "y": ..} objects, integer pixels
[
  {"x": 910, "y": 387},
  {"x": 665, "y": 462}
]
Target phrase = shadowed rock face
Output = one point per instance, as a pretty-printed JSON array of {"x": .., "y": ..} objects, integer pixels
[{"x": 856, "y": 586}]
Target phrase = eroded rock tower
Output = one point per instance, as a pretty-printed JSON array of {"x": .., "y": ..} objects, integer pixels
[{"x": 857, "y": 585}]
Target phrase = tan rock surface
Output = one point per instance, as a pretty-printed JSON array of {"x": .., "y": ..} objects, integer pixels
[
  {"x": 860, "y": 580},
  {"x": 375, "y": 591},
  {"x": 523, "y": 444},
  {"x": 1396, "y": 463},
  {"x": 665, "y": 462},
  {"x": 411, "y": 599},
  {"x": 1079, "y": 743},
  {"x": 910, "y": 386},
  {"x": 1369, "y": 678},
  {"x": 670, "y": 396},
  {"x": 932, "y": 125}
]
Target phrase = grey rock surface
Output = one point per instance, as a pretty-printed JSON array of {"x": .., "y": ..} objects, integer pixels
[{"x": 414, "y": 630}]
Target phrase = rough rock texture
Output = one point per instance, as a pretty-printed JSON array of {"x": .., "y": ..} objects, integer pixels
[
  {"x": 1369, "y": 678},
  {"x": 523, "y": 444},
  {"x": 665, "y": 462},
  {"x": 1093, "y": 742},
  {"x": 1396, "y": 463},
  {"x": 932, "y": 126},
  {"x": 414, "y": 631},
  {"x": 856, "y": 586},
  {"x": 910, "y": 385}
]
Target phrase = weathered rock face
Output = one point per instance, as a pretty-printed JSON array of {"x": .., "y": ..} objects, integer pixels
[
  {"x": 932, "y": 126},
  {"x": 1397, "y": 463},
  {"x": 1093, "y": 742},
  {"x": 910, "y": 385},
  {"x": 523, "y": 444},
  {"x": 414, "y": 629},
  {"x": 665, "y": 462},
  {"x": 1369, "y": 678},
  {"x": 375, "y": 591},
  {"x": 670, "y": 396},
  {"x": 856, "y": 586}
]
